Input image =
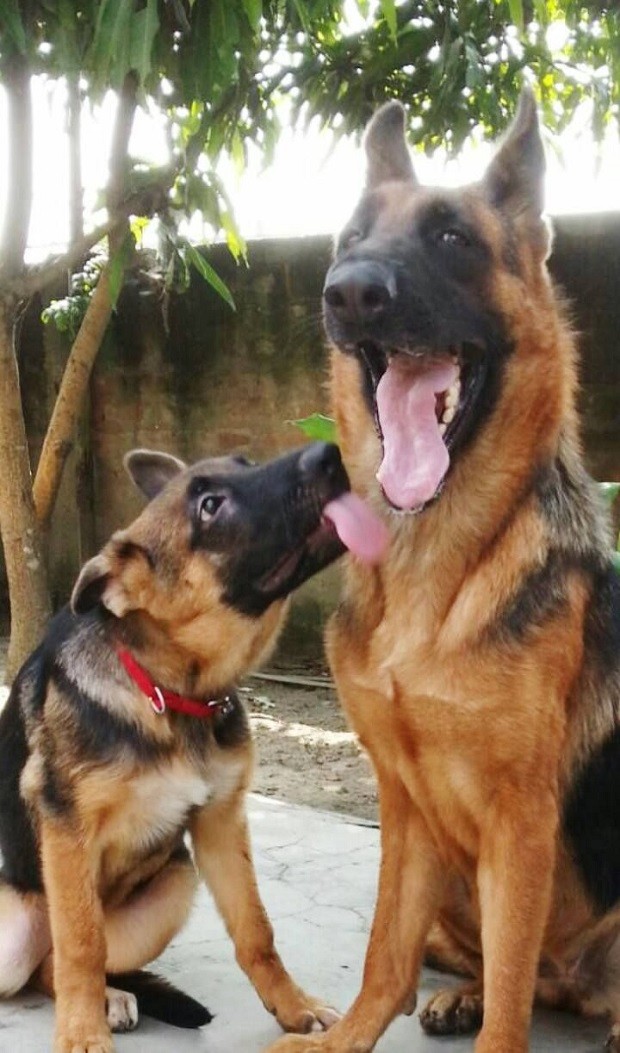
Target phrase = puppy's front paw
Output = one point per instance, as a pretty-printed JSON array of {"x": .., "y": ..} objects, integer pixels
[{"x": 121, "y": 1009}]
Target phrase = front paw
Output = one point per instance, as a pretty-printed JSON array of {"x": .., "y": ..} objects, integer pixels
[
  {"x": 454, "y": 1012},
  {"x": 301, "y": 1014},
  {"x": 76, "y": 1040},
  {"x": 121, "y": 1009}
]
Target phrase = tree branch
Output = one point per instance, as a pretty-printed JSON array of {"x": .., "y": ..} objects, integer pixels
[
  {"x": 145, "y": 202},
  {"x": 16, "y": 79},
  {"x": 117, "y": 181}
]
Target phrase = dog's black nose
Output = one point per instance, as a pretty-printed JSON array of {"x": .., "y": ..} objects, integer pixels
[
  {"x": 321, "y": 460},
  {"x": 357, "y": 291}
]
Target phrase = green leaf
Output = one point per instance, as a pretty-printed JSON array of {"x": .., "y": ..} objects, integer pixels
[
  {"x": 144, "y": 27},
  {"x": 109, "y": 53},
  {"x": 234, "y": 240},
  {"x": 138, "y": 225},
  {"x": 317, "y": 426},
  {"x": 615, "y": 558},
  {"x": 254, "y": 11},
  {"x": 516, "y": 13},
  {"x": 609, "y": 491},
  {"x": 11, "y": 19},
  {"x": 204, "y": 268},
  {"x": 388, "y": 9}
]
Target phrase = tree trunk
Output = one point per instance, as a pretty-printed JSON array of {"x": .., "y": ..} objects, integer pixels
[
  {"x": 25, "y": 567},
  {"x": 16, "y": 81},
  {"x": 60, "y": 435},
  {"x": 26, "y": 572}
]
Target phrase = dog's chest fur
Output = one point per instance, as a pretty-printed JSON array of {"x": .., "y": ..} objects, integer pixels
[{"x": 142, "y": 814}]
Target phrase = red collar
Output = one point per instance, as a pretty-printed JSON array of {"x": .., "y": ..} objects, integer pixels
[{"x": 162, "y": 699}]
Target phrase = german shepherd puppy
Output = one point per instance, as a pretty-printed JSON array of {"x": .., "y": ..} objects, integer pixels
[
  {"x": 480, "y": 662},
  {"x": 103, "y": 769}
]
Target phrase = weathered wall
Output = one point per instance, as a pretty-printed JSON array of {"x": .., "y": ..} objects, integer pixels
[{"x": 192, "y": 377}]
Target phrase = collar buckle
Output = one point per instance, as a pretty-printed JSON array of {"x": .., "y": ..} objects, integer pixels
[{"x": 158, "y": 702}]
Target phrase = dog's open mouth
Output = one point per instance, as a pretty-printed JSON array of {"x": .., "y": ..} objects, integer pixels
[
  {"x": 423, "y": 405},
  {"x": 344, "y": 522}
]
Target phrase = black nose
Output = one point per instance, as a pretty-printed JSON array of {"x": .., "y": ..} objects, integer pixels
[
  {"x": 321, "y": 460},
  {"x": 359, "y": 291}
]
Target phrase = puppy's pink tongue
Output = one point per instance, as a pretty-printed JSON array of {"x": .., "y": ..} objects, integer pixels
[{"x": 358, "y": 527}]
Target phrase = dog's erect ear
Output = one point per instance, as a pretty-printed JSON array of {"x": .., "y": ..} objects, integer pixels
[
  {"x": 514, "y": 181},
  {"x": 115, "y": 577},
  {"x": 386, "y": 147},
  {"x": 150, "y": 470}
]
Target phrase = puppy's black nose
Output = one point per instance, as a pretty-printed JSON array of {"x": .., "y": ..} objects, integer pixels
[
  {"x": 321, "y": 460},
  {"x": 357, "y": 291}
]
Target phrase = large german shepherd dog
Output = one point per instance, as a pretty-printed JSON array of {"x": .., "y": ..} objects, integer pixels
[
  {"x": 123, "y": 732},
  {"x": 480, "y": 662}
]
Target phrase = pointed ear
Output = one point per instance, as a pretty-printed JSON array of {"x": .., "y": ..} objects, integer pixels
[
  {"x": 115, "y": 577},
  {"x": 514, "y": 180},
  {"x": 386, "y": 148},
  {"x": 151, "y": 470}
]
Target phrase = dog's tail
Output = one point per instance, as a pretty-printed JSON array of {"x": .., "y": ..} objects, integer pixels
[{"x": 162, "y": 1000}]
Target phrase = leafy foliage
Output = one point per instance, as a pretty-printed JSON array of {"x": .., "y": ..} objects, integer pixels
[
  {"x": 317, "y": 427},
  {"x": 216, "y": 69},
  {"x": 67, "y": 313},
  {"x": 458, "y": 65}
]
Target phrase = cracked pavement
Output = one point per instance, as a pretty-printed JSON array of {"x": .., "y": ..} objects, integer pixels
[{"x": 317, "y": 874}]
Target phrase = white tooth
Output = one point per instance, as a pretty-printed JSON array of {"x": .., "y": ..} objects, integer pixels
[
  {"x": 452, "y": 398},
  {"x": 448, "y": 414},
  {"x": 442, "y": 429}
]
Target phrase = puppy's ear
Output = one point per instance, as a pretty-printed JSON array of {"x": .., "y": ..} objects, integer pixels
[
  {"x": 386, "y": 148},
  {"x": 514, "y": 180},
  {"x": 150, "y": 470},
  {"x": 117, "y": 578}
]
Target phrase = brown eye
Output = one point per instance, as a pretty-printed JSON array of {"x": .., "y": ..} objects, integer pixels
[
  {"x": 452, "y": 236},
  {"x": 208, "y": 506}
]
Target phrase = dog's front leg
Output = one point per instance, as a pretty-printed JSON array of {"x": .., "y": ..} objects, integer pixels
[
  {"x": 224, "y": 858},
  {"x": 76, "y": 921},
  {"x": 515, "y": 878},
  {"x": 411, "y": 881}
]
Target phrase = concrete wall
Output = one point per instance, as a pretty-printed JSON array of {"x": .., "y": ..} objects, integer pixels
[{"x": 192, "y": 377}]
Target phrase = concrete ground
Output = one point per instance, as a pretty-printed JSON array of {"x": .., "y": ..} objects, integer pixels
[{"x": 317, "y": 873}]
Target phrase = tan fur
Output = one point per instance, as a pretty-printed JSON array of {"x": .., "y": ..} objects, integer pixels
[
  {"x": 119, "y": 883},
  {"x": 474, "y": 740}
]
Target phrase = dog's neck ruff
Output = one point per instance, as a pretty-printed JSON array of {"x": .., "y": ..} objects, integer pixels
[{"x": 161, "y": 699}]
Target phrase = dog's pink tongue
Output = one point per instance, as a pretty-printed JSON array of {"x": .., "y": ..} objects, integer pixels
[
  {"x": 415, "y": 457},
  {"x": 358, "y": 527}
]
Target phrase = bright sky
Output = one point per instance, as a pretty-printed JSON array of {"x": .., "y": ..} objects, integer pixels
[{"x": 312, "y": 185}]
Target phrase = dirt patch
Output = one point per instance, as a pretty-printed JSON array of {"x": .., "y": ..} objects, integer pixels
[{"x": 306, "y": 754}]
